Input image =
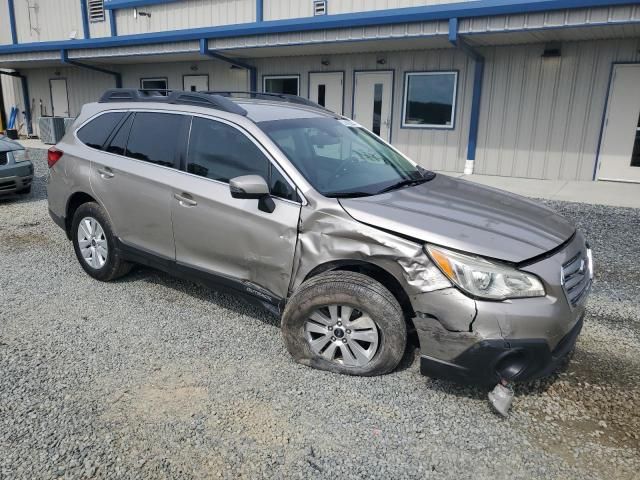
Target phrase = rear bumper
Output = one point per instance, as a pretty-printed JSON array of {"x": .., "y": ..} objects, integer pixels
[
  {"x": 487, "y": 361},
  {"x": 15, "y": 177}
]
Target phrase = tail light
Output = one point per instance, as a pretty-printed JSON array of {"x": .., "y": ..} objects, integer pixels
[{"x": 53, "y": 156}]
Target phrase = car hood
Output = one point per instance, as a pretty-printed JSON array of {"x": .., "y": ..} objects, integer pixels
[{"x": 465, "y": 216}]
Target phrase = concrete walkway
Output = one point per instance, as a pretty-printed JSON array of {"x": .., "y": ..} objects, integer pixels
[{"x": 615, "y": 194}]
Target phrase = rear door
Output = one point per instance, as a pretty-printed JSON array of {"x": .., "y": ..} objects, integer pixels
[
  {"x": 132, "y": 179},
  {"x": 228, "y": 237}
]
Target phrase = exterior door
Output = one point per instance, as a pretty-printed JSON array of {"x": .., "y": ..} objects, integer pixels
[
  {"x": 195, "y": 83},
  {"x": 230, "y": 237},
  {"x": 59, "y": 97},
  {"x": 326, "y": 89},
  {"x": 620, "y": 150},
  {"x": 372, "y": 101},
  {"x": 133, "y": 179}
]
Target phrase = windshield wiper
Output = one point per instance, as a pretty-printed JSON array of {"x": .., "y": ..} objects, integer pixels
[
  {"x": 347, "y": 194},
  {"x": 403, "y": 183}
]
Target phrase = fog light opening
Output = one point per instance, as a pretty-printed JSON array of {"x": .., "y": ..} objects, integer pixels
[{"x": 511, "y": 365}]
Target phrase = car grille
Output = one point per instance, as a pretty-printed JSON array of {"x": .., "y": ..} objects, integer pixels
[{"x": 576, "y": 277}]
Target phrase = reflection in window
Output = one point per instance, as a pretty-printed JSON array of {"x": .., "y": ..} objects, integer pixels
[
  {"x": 430, "y": 99},
  {"x": 154, "y": 137}
]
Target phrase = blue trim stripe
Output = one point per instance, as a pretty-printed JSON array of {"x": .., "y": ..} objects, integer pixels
[
  {"x": 12, "y": 22},
  {"x": 371, "y": 18},
  {"x": 117, "y": 4},
  {"x": 85, "y": 19},
  {"x": 112, "y": 23}
]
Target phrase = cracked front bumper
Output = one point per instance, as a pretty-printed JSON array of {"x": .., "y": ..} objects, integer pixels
[{"x": 480, "y": 342}]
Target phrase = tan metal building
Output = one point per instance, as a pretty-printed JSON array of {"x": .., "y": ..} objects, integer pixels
[{"x": 539, "y": 89}]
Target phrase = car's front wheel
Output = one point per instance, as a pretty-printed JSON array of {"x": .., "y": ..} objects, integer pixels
[
  {"x": 345, "y": 322},
  {"x": 95, "y": 243}
]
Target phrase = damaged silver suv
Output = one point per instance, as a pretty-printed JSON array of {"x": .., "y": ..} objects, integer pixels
[{"x": 318, "y": 219}]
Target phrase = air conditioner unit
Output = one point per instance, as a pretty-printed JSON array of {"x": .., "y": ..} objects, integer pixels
[
  {"x": 319, "y": 7},
  {"x": 68, "y": 121},
  {"x": 51, "y": 129}
]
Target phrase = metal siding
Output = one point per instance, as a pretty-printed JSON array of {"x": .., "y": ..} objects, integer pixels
[
  {"x": 50, "y": 20},
  {"x": 12, "y": 96},
  {"x": 101, "y": 29},
  {"x": 282, "y": 9},
  {"x": 541, "y": 118},
  {"x": 186, "y": 14},
  {"x": 5, "y": 24},
  {"x": 432, "y": 148}
]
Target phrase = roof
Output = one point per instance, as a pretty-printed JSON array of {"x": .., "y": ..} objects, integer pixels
[{"x": 265, "y": 110}]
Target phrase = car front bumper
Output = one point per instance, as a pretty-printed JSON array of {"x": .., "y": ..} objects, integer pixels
[
  {"x": 481, "y": 342},
  {"x": 15, "y": 177}
]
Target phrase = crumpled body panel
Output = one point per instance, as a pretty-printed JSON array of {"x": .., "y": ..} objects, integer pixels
[{"x": 330, "y": 235}]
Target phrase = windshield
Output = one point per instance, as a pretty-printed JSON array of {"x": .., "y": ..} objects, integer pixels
[{"x": 341, "y": 159}]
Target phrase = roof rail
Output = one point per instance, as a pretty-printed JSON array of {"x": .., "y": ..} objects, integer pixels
[
  {"x": 174, "y": 97},
  {"x": 283, "y": 97}
]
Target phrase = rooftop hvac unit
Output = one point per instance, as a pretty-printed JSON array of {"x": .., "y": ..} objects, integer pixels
[{"x": 51, "y": 129}]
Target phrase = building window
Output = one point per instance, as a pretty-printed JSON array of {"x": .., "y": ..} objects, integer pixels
[
  {"x": 160, "y": 84},
  {"x": 95, "y": 10},
  {"x": 289, "y": 84},
  {"x": 429, "y": 100}
]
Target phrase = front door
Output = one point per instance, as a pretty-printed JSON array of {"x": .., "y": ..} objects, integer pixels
[
  {"x": 326, "y": 89},
  {"x": 620, "y": 150},
  {"x": 195, "y": 83},
  {"x": 372, "y": 101},
  {"x": 230, "y": 237},
  {"x": 59, "y": 97}
]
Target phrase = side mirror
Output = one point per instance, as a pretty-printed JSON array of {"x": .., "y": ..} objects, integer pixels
[
  {"x": 253, "y": 186},
  {"x": 248, "y": 186}
]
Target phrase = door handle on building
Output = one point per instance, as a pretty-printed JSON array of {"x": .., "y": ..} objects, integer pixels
[
  {"x": 106, "y": 172},
  {"x": 185, "y": 200}
]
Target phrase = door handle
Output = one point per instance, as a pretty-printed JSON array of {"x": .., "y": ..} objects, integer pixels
[
  {"x": 106, "y": 172},
  {"x": 185, "y": 199}
]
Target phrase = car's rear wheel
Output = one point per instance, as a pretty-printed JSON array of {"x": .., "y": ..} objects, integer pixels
[
  {"x": 95, "y": 243},
  {"x": 345, "y": 322}
]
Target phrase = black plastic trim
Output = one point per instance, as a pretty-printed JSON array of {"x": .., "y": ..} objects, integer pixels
[
  {"x": 58, "y": 220},
  {"x": 486, "y": 362},
  {"x": 246, "y": 289}
]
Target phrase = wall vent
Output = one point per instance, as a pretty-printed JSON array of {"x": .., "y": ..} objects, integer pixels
[
  {"x": 96, "y": 10},
  {"x": 319, "y": 7}
]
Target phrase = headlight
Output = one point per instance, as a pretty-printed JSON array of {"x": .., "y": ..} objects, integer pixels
[{"x": 483, "y": 278}]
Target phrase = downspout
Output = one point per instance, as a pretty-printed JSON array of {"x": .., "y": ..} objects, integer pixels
[
  {"x": 253, "y": 75},
  {"x": 259, "y": 10},
  {"x": 25, "y": 98},
  {"x": 112, "y": 23},
  {"x": 85, "y": 19},
  {"x": 65, "y": 59},
  {"x": 478, "y": 74},
  {"x": 12, "y": 23}
]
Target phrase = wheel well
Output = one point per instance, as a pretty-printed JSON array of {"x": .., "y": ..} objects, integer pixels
[
  {"x": 74, "y": 202},
  {"x": 375, "y": 272}
]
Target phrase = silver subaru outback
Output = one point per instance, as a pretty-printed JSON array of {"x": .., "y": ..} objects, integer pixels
[{"x": 321, "y": 221}]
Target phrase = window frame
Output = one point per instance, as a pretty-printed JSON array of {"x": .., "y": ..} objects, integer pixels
[
  {"x": 280, "y": 76},
  {"x": 405, "y": 93},
  {"x": 156, "y": 79},
  {"x": 272, "y": 161}
]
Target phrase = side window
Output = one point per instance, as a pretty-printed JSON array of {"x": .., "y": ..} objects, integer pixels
[
  {"x": 221, "y": 152},
  {"x": 154, "y": 137},
  {"x": 118, "y": 143},
  {"x": 95, "y": 133}
]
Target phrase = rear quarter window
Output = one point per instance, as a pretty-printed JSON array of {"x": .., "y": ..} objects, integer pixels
[{"x": 95, "y": 133}]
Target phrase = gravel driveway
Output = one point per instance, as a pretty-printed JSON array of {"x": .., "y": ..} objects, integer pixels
[{"x": 155, "y": 377}]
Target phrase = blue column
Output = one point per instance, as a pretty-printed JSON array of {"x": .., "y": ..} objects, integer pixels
[
  {"x": 85, "y": 19},
  {"x": 12, "y": 22}
]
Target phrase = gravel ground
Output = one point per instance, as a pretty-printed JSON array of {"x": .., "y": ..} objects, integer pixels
[{"x": 155, "y": 377}]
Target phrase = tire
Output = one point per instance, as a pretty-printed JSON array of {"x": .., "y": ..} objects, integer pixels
[
  {"x": 100, "y": 267},
  {"x": 369, "y": 300}
]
